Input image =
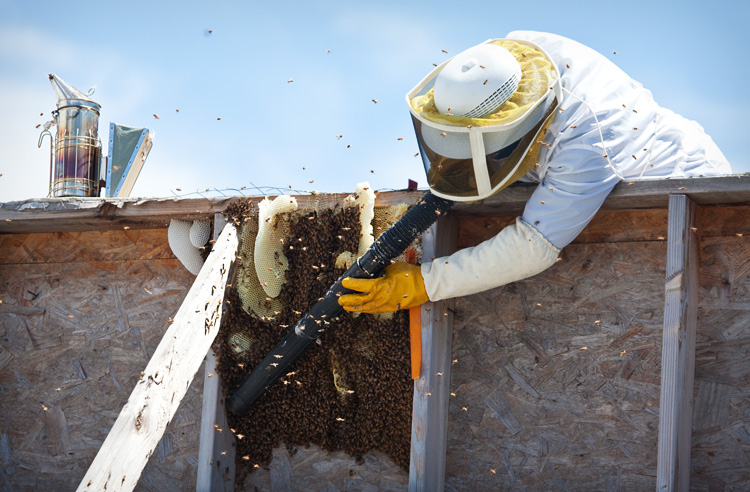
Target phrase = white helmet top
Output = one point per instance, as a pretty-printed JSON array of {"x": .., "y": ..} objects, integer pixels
[
  {"x": 477, "y": 81},
  {"x": 472, "y": 140}
]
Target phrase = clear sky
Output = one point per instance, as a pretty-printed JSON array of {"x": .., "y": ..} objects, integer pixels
[{"x": 288, "y": 78}]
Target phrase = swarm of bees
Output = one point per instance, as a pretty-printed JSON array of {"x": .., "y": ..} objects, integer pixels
[{"x": 352, "y": 391}]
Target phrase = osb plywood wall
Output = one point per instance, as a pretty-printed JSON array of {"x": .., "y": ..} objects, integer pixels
[
  {"x": 81, "y": 315},
  {"x": 721, "y": 419},
  {"x": 556, "y": 378}
]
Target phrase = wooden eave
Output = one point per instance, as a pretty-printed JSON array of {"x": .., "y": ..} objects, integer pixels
[{"x": 88, "y": 214}]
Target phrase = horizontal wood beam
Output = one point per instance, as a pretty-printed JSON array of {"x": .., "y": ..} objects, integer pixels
[
  {"x": 78, "y": 214},
  {"x": 626, "y": 195},
  {"x": 167, "y": 377},
  {"x": 91, "y": 214}
]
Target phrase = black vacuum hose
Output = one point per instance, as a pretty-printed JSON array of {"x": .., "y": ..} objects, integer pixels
[{"x": 391, "y": 244}]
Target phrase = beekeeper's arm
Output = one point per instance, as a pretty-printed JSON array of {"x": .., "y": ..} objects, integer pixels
[
  {"x": 575, "y": 185},
  {"x": 573, "y": 189}
]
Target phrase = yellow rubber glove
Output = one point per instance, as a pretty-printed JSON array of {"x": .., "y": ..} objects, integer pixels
[{"x": 401, "y": 287}]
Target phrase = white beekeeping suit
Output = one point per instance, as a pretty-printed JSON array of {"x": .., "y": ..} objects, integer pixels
[
  {"x": 539, "y": 108},
  {"x": 607, "y": 128}
]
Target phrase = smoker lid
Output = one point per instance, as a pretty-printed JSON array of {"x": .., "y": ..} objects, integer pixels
[{"x": 67, "y": 95}]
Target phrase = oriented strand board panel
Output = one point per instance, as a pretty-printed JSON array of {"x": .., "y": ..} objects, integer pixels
[
  {"x": 311, "y": 469},
  {"x": 721, "y": 415},
  {"x": 81, "y": 315},
  {"x": 556, "y": 378}
]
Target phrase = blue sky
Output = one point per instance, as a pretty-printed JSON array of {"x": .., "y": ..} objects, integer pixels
[{"x": 157, "y": 57}]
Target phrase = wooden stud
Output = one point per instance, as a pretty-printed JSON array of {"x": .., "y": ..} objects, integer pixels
[
  {"x": 678, "y": 348},
  {"x": 432, "y": 391}
]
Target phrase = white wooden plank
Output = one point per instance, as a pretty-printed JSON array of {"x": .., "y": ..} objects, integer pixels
[
  {"x": 432, "y": 389},
  {"x": 154, "y": 401},
  {"x": 216, "y": 469},
  {"x": 678, "y": 347}
]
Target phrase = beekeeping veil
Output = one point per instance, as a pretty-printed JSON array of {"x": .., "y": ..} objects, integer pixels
[{"x": 480, "y": 116}]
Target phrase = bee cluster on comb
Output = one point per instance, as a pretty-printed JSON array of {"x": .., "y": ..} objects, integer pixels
[{"x": 350, "y": 392}]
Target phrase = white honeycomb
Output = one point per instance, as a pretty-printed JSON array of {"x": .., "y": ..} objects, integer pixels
[
  {"x": 178, "y": 235},
  {"x": 270, "y": 262},
  {"x": 254, "y": 298},
  {"x": 364, "y": 198},
  {"x": 200, "y": 233}
]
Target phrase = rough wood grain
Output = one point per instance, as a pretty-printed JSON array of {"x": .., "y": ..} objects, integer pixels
[
  {"x": 154, "y": 401},
  {"x": 640, "y": 194},
  {"x": 678, "y": 347},
  {"x": 75, "y": 214},
  {"x": 606, "y": 227},
  {"x": 431, "y": 390},
  {"x": 216, "y": 468},
  {"x": 89, "y": 214}
]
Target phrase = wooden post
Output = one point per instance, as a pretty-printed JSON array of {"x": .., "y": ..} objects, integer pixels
[
  {"x": 429, "y": 431},
  {"x": 216, "y": 454},
  {"x": 678, "y": 349},
  {"x": 154, "y": 401}
]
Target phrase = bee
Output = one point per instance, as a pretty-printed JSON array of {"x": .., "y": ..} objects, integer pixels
[
  {"x": 485, "y": 82},
  {"x": 289, "y": 81},
  {"x": 375, "y": 101},
  {"x": 156, "y": 116},
  {"x": 445, "y": 51}
]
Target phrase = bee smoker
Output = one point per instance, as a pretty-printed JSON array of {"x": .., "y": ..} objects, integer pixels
[
  {"x": 76, "y": 150},
  {"x": 391, "y": 244}
]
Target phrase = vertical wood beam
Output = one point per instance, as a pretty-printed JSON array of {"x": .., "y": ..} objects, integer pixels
[
  {"x": 216, "y": 469},
  {"x": 429, "y": 434},
  {"x": 167, "y": 377},
  {"x": 678, "y": 347}
]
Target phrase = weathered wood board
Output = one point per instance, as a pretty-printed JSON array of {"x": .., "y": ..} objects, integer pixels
[{"x": 81, "y": 314}]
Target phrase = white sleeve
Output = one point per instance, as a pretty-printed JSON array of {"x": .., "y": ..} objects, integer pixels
[
  {"x": 517, "y": 252},
  {"x": 576, "y": 183},
  {"x": 573, "y": 188}
]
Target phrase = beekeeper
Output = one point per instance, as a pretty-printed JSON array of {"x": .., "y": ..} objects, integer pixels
[{"x": 531, "y": 107}]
